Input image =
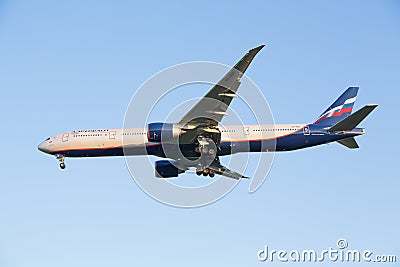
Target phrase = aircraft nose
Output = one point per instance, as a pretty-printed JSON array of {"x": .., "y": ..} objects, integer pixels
[{"x": 43, "y": 147}]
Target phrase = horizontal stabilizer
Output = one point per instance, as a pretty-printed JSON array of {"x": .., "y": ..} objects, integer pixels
[
  {"x": 353, "y": 120},
  {"x": 349, "y": 142}
]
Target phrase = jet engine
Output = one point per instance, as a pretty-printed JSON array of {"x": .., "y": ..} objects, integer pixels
[
  {"x": 166, "y": 169},
  {"x": 158, "y": 131}
]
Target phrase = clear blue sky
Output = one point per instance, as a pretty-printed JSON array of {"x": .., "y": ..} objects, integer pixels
[{"x": 75, "y": 65}]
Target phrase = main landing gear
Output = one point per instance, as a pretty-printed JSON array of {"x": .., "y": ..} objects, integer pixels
[
  {"x": 205, "y": 171},
  {"x": 61, "y": 158},
  {"x": 208, "y": 150}
]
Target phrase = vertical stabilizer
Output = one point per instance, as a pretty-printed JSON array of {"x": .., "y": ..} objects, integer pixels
[{"x": 340, "y": 109}]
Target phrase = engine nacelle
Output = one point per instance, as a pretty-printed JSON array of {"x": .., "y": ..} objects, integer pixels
[
  {"x": 158, "y": 131},
  {"x": 166, "y": 169}
]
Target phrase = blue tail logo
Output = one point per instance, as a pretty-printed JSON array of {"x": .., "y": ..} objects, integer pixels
[{"x": 340, "y": 109}]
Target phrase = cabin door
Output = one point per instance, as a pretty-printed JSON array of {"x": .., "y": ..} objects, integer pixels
[
  {"x": 112, "y": 134},
  {"x": 65, "y": 137}
]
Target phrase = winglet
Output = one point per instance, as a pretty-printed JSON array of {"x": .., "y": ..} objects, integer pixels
[
  {"x": 244, "y": 63},
  {"x": 256, "y": 49}
]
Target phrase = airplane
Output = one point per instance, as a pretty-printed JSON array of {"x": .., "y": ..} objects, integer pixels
[{"x": 198, "y": 140}]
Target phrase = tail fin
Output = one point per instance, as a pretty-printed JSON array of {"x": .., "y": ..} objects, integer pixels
[{"x": 340, "y": 109}]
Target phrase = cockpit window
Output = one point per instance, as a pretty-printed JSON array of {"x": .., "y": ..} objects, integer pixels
[{"x": 47, "y": 139}]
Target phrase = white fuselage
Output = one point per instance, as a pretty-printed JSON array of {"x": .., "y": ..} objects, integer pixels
[{"x": 87, "y": 140}]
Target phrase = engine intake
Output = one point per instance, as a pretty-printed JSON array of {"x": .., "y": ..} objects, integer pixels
[
  {"x": 158, "y": 131},
  {"x": 166, "y": 169}
]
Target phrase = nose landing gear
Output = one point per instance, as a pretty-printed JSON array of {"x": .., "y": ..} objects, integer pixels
[{"x": 61, "y": 158}]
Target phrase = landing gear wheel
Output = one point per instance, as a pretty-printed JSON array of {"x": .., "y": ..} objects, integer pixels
[
  {"x": 212, "y": 173},
  {"x": 205, "y": 172},
  {"x": 61, "y": 158},
  {"x": 199, "y": 171}
]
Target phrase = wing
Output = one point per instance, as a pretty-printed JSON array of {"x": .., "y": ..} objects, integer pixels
[
  {"x": 221, "y": 170},
  {"x": 212, "y": 107}
]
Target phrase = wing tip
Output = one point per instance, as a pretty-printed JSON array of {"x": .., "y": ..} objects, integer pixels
[{"x": 257, "y": 49}]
